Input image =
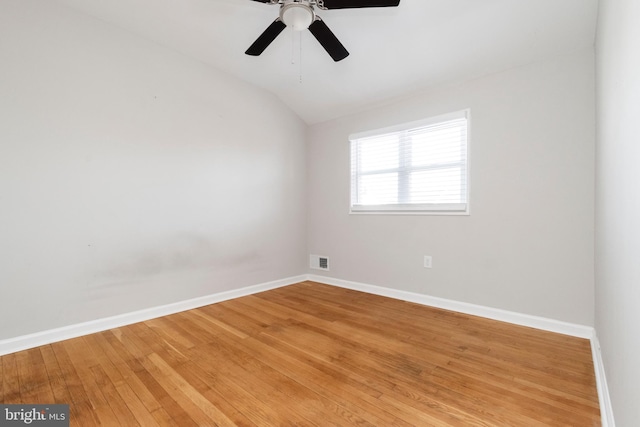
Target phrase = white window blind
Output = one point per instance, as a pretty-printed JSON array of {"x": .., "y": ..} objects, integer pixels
[{"x": 417, "y": 167}]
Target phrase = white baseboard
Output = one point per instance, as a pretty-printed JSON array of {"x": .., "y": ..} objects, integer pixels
[
  {"x": 25, "y": 342},
  {"x": 530, "y": 321},
  {"x": 606, "y": 410}
]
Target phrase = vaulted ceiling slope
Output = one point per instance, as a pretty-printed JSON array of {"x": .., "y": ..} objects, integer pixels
[{"x": 394, "y": 51}]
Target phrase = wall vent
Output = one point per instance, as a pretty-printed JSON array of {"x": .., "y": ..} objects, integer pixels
[{"x": 319, "y": 262}]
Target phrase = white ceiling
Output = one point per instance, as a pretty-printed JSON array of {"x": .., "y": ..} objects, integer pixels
[{"x": 394, "y": 51}]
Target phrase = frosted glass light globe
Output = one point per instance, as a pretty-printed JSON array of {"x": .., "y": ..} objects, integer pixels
[{"x": 297, "y": 17}]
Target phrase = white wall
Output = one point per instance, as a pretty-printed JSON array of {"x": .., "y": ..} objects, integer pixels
[
  {"x": 527, "y": 245},
  {"x": 131, "y": 176},
  {"x": 618, "y": 204}
]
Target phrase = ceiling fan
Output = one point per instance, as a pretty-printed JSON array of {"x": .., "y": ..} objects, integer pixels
[{"x": 300, "y": 15}]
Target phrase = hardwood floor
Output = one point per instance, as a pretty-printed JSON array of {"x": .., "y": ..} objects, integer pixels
[{"x": 312, "y": 355}]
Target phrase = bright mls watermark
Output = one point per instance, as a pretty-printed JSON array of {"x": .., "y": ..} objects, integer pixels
[{"x": 34, "y": 415}]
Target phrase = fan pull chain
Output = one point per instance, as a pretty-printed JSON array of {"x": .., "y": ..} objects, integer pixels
[
  {"x": 293, "y": 52},
  {"x": 300, "y": 60},
  {"x": 293, "y": 47}
]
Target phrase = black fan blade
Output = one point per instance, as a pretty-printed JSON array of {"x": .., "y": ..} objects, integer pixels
[
  {"x": 265, "y": 39},
  {"x": 263, "y": 1},
  {"x": 328, "y": 40},
  {"x": 351, "y": 4}
]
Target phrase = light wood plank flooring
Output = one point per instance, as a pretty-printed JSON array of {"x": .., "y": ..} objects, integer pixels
[{"x": 312, "y": 355}]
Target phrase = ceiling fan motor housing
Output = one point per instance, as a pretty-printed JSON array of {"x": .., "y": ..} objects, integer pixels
[{"x": 297, "y": 14}]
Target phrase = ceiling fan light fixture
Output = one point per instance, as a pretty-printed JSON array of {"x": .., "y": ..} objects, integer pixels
[{"x": 297, "y": 16}]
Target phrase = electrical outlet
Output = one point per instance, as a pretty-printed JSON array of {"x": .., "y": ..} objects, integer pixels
[{"x": 427, "y": 261}]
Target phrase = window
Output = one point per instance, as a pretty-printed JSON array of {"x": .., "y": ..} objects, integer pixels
[{"x": 418, "y": 167}]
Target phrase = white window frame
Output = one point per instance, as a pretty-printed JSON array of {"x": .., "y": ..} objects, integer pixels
[{"x": 408, "y": 208}]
